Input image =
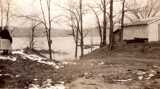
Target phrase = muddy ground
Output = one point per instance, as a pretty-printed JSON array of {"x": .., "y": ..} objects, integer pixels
[
  {"x": 102, "y": 72},
  {"x": 110, "y": 73}
]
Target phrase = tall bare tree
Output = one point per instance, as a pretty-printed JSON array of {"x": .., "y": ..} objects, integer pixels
[
  {"x": 98, "y": 25},
  {"x": 33, "y": 29},
  {"x": 47, "y": 24},
  {"x": 81, "y": 28},
  {"x": 1, "y": 4},
  {"x": 122, "y": 21},
  {"x": 102, "y": 28},
  {"x": 73, "y": 17},
  {"x": 5, "y": 6},
  {"x": 76, "y": 18},
  {"x": 75, "y": 29},
  {"x": 111, "y": 26},
  {"x": 35, "y": 22},
  {"x": 8, "y": 12},
  {"x": 104, "y": 42}
]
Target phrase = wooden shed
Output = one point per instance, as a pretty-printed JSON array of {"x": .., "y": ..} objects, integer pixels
[{"x": 145, "y": 29}]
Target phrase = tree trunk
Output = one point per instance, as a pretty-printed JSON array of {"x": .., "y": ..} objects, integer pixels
[
  {"x": 49, "y": 30},
  {"x": 8, "y": 11},
  {"x": 99, "y": 27},
  {"x": 48, "y": 25},
  {"x": 76, "y": 49},
  {"x": 122, "y": 22},
  {"x": 81, "y": 30},
  {"x": 50, "y": 46},
  {"x": 111, "y": 26},
  {"x": 104, "y": 24},
  {"x": 2, "y": 17},
  {"x": 32, "y": 38}
]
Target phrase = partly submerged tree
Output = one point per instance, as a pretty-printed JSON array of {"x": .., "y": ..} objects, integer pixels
[
  {"x": 47, "y": 22},
  {"x": 34, "y": 22},
  {"x": 102, "y": 24},
  {"x": 75, "y": 17},
  {"x": 99, "y": 28},
  {"x": 34, "y": 25},
  {"x": 74, "y": 20}
]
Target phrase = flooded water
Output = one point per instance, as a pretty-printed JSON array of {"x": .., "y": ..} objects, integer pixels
[{"x": 64, "y": 45}]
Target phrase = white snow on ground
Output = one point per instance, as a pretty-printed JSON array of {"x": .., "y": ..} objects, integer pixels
[
  {"x": 6, "y": 75},
  {"x": 58, "y": 86},
  {"x": 123, "y": 80},
  {"x": 8, "y": 58},
  {"x": 35, "y": 58},
  {"x": 47, "y": 85}
]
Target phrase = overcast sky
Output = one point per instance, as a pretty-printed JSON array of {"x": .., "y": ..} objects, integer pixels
[{"x": 29, "y": 7}]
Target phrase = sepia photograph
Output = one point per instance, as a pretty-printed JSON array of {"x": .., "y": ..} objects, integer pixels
[{"x": 79, "y": 44}]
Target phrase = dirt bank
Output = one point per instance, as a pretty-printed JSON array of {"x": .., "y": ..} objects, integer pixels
[{"x": 98, "y": 72}]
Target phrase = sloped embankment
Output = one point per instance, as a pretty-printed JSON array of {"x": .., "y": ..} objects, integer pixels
[
  {"x": 135, "y": 50},
  {"x": 20, "y": 70},
  {"x": 132, "y": 66}
]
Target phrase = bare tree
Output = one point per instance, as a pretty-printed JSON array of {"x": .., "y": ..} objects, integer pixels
[
  {"x": 102, "y": 6},
  {"x": 8, "y": 13},
  {"x": 32, "y": 35},
  {"x": 48, "y": 24},
  {"x": 1, "y": 13},
  {"x": 35, "y": 22},
  {"x": 75, "y": 32},
  {"x": 46, "y": 21},
  {"x": 81, "y": 28},
  {"x": 74, "y": 18},
  {"x": 136, "y": 11},
  {"x": 5, "y": 12},
  {"x": 33, "y": 29},
  {"x": 122, "y": 21},
  {"x": 75, "y": 26},
  {"x": 104, "y": 42},
  {"x": 98, "y": 24},
  {"x": 111, "y": 26}
]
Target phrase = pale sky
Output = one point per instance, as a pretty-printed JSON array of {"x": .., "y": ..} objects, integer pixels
[{"x": 29, "y": 7}]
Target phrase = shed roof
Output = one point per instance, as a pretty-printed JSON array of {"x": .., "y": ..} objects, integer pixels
[{"x": 143, "y": 22}]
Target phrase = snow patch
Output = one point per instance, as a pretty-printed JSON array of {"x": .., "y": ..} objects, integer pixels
[
  {"x": 123, "y": 80},
  {"x": 8, "y": 58},
  {"x": 36, "y": 58},
  {"x": 47, "y": 85}
]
